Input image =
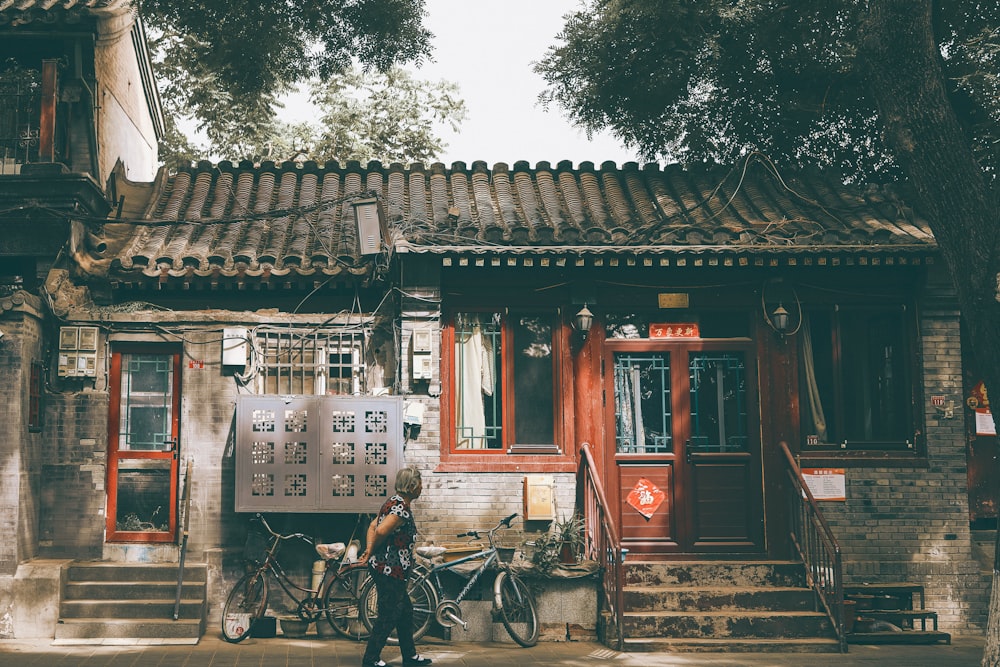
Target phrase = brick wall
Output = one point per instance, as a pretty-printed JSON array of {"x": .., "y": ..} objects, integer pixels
[
  {"x": 912, "y": 523},
  {"x": 20, "y": 452},
  {"x": 73, "y": 471}
]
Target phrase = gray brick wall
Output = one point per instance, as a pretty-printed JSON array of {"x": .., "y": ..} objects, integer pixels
[
  {"x": 912, "y": 523},
  {"x": 20, "y": 452}
]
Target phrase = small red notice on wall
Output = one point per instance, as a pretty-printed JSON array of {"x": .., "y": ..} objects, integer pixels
[
  {"x": 826, "y": 483},
  {"x": 645, "y": 497}
]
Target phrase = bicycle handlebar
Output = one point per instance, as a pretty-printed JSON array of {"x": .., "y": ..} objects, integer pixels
[
  {"x": 267, "y": 527},
  {"x": 505, "y": 522}
]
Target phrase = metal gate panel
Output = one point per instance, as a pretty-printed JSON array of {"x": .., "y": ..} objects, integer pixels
[{"x": 316, "y": 453}]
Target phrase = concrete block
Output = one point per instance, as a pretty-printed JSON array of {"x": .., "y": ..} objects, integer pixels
[{"x": 37, "y": 594}]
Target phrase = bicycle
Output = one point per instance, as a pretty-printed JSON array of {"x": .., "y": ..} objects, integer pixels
[
  {"x": 335, "y": 596},
  {"x": 512, "y": 599}
]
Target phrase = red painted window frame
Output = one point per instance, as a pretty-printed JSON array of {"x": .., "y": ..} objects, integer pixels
[{"x": 508, "y": 458}]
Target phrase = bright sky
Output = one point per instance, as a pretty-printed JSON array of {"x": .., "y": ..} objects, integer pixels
[{"x": 488, "y": 48}]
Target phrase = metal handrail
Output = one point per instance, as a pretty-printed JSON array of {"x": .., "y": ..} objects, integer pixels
[
  {"x": 817, "y": 547},
  {"x": 601, "y": 543}
]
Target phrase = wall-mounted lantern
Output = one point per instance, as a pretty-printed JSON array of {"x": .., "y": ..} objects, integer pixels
[{"x": 583, "y": 320}]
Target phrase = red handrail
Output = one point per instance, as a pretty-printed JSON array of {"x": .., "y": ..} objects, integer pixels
[
  {"x": 601, "y": 545},
  {"x": 817, "y": 547}
]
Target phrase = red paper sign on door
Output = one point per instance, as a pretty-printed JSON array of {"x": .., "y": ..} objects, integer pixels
[{"x": 645, "y": 497}]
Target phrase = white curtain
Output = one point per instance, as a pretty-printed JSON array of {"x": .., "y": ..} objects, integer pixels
[
  {"x": 475, "y": 378},
  {"x": 812, "y": 387}
]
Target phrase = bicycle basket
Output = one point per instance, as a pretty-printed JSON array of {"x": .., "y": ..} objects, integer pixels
[{"x": 256, "y": 546}]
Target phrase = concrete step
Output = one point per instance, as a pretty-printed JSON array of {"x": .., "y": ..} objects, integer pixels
[
  {"x": 714, "y": 573},
  {"x": 686, "y": 598},
  {"x": 110, "y": 601},
  {"x": 730, "y": 645},
  {"x": 130, "y": 590},
  {"x": 134, "y": 572},
  {"x": 727, "y": 624},
  {"x": 134, "y": 628},
  {"x": 135, "y": 608}
]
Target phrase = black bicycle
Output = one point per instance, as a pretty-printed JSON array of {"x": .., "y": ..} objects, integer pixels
[
  {"x": 336, "y": 597},
  {"x": 512, "y": 599}
]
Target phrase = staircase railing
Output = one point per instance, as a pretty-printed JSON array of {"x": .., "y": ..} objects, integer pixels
[
  {"x": 601, "y": 545},
  {"x": 817, "y": 547}
]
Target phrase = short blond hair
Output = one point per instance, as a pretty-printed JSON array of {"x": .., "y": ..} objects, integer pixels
[{"x": 407, "y": 480}]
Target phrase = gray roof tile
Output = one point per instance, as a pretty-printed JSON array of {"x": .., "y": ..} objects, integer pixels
[{"x": 293, "y": 218}]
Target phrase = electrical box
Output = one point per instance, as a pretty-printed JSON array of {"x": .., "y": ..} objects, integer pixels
[
  {"x": 539, "y": 503},
  {"x": 77, "y": 352},
  {"x": 235, "y": 346},
  {"x": 422, "y": 368}
]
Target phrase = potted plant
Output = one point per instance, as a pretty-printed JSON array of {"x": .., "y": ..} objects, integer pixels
[
  {"x": 562, "y": 544},
  {"x": 569, "y": 537}
]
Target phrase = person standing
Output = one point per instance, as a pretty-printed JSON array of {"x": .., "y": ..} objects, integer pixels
[{"x": 389, "y": 554}]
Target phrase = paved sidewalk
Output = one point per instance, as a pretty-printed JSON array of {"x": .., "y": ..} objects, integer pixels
[{"x": 313, "y": 651}]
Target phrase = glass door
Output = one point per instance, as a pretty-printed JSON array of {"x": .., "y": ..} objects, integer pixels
[
  {"x": 143, "y": 447},
  {"x": 686, "y": 457}
]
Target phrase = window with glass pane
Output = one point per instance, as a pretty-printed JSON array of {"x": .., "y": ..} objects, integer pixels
[
  {"x": 478, "y": 392},
  {"x": 718, "y": 402},
  {"x": 146, "y": 403},
  {"x": 486, "y": 344},
  {"x": 642, "y": 403},
  {"x": 855, "y": 384}
]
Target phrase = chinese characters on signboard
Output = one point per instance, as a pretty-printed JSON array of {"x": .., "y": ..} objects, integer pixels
[
  {"x": 826, "y": 483},
  {"x": 674, "y": 330}
]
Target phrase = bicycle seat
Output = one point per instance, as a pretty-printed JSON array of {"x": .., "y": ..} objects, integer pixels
[
  {"x": 430, "y": 552},
  {"x": 331, "y": 551}
]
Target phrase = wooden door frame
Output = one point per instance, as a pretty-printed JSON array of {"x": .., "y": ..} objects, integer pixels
[
  {"x": 112, "y": 534},
  {"x": 682, "y": 347}
]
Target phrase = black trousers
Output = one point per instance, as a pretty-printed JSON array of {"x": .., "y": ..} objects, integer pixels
[{"x": 395, "y": 612}]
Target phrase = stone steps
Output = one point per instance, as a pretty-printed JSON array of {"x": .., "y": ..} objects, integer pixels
[
  {"x": 724, "y": 606},
  {"x": 121, "y": 601}
]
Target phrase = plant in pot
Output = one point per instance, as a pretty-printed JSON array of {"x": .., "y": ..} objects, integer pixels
[
  {"x": 569, "y": 535},
  {"x": 561, "y": 545}
]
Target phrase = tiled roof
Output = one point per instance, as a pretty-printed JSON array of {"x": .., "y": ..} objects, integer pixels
[
  {"x": 19, "y": 12},
  {"x": 293, "y": 219}
]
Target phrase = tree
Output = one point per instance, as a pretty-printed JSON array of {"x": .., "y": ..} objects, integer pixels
[
  {"x": 878, "y": 90},
  {"x": 709, "y": 80},
  {"x": 227, "y": 61},
  {"x": 361, "y": 116}
]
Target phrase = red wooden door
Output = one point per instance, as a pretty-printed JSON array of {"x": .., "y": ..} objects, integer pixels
[
  {"x": 683, "y": 422},
  {"x": 144, "y": 425}
]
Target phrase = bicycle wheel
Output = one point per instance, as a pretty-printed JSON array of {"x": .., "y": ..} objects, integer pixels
[
  {"x": 244, "y": 606},
  {"x": 341, "y": 603},
  {"x": 423, "y": 597},
  {"x": 517, "y": 608}
]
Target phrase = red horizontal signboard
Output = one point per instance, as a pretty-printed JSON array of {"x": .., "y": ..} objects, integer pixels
[{"x": 674, "y": 330}]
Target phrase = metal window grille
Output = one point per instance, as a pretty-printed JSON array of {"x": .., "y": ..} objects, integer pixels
[
  {"x": 311, "y": 362},
  {"x": 20, "y": 95}
]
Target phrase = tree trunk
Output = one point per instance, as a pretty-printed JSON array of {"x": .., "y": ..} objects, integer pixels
[{"x": 902, "y": 63}]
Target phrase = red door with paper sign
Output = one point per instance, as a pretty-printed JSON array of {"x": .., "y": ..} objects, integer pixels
[
  {"x": 684, "y": 446},
  {"x": 984, "y": 459}
]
